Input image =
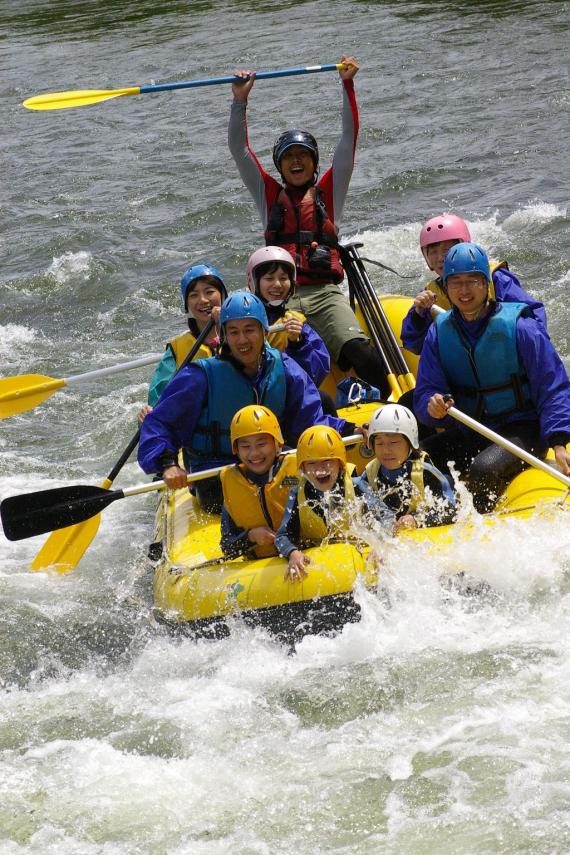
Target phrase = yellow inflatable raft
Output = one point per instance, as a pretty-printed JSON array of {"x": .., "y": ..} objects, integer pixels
[
  {"x": 196, "y": 588},
  {"x": 195, "y": 585}
]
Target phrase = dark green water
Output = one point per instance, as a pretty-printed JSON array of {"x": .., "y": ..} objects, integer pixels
[{"x": 436, "y": 725}]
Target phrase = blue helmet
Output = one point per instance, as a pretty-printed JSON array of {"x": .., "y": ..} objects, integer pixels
[
  {"x": 243, "y": 304},
  {"x": 198, "y": 271},
  {"x": 295, "y": 137},
  {"x": 466, "y": 258}
]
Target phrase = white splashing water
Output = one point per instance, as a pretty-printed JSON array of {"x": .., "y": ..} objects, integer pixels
[
  {"x": 438, "y": 723},
  {"x": 71, "y": 266},
  {"x": 15, "y": 339}
]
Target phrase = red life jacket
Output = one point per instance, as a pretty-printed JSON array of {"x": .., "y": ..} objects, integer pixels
[{"x": 301, "y": 226}]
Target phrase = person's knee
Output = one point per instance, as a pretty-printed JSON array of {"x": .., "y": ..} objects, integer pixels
[{"x": 494, "y": 466}]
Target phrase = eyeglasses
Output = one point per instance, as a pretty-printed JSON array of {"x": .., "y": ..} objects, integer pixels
[{"x": 454, "y": 283}]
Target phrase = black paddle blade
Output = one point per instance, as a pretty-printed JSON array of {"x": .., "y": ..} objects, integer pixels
[{"x": 46, "y": 510}]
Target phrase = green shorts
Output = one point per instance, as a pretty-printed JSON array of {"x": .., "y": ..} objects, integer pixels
[{"x": 327, "y": 310}]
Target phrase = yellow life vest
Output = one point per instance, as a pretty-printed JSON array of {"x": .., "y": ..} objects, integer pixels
[
  {"x": 250, "y": 506},
  {"x": 183, "y": 344},
  {"x": 313, "y": 527},
  {"x": 442, "y": 298},
  {"x": 416, "y": 477},
  {"x": 279, "y": 340}
]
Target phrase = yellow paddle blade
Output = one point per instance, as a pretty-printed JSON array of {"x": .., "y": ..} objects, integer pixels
[
  {"x": 18, "y": 394},
  {"x": 64, "y": 548},
  {"x": 394, "y": 386},
  {"x": 77, "y": 98}
]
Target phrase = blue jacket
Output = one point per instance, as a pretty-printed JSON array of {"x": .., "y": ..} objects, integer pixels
[
  {"x": 170, "y": 426},
  {"x": 548, "y": 381},
  {"x": 507, "y": 290},
  {"x": 310, "y": 352}
]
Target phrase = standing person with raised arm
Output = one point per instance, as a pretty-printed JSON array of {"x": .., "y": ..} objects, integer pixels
[{"x": 302, "y": 213}]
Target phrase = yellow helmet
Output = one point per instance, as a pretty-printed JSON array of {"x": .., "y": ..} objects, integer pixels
[
  {"x": 320, "y": 442},
  {"x": 252, "y": 420}
]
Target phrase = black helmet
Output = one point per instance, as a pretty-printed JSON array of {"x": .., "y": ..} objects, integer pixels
[{"x": 294, "y": 137}]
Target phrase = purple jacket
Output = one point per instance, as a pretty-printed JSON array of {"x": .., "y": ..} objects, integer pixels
[
  {"x": 548, "y": 380},
  {"x": 172, "y": 422}
]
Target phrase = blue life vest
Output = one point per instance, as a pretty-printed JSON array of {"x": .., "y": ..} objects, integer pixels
[
  {"x": 228, "y": 391},
  {"x": 487, "y": 378}
]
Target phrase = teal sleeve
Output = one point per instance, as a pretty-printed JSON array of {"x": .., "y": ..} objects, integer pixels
[{"x": 163, "y": 374}]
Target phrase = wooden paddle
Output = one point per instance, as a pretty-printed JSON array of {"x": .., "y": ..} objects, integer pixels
[
  {"x": 65, "y": 547},
  {"x": 83, "y": 97},
  {"x": 30, "y": 514}
]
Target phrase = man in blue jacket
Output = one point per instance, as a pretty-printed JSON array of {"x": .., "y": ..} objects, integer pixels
[
  {"x": 196, "y": 408},
  {"x": 437, "y": 236},
  {"x": 498, "y": 364}
]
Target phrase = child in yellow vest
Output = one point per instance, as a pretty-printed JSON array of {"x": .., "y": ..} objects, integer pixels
[
  {"x": 320, "y": 506},
  {"x": 256, "y": 489},
  {"x": 402, "y": 475}
]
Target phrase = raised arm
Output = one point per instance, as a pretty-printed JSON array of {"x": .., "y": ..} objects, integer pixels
[
  {"x": 336, "y": 180},
  {"x": 261, "y": 186}
]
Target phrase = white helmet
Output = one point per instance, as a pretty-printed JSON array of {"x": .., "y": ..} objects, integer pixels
[{"x": 394, "y": 418}]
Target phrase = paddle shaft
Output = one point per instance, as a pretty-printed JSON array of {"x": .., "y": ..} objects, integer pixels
[
  {"x": 378, "y": 339},
  {"x": 65, "y": 547},
  {"x": 398, "y": 361},
  {"x": 113, "y": 369},
  {"x": 508, "y": 445},
  {"x": 26, "y": 391},
  {"x": 233, "y": 78},
  {"x": 85, "y": 97},
  {"x": 145, "y": 360},
  {"x": 30, "y": 514},
  {"x": 391, "y": 346}
]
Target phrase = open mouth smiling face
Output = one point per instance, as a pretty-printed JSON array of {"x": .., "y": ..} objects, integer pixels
[
  {"x": 322, "y": 474},
  {"x": 297, "y": 165}
]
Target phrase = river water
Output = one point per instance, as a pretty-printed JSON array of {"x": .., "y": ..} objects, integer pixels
[{"x": 440, "y": 722}]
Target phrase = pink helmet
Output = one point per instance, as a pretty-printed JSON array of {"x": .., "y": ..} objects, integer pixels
[
  {"x": 264, "y": 255},
  {"x": 444, "y": 227}
]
